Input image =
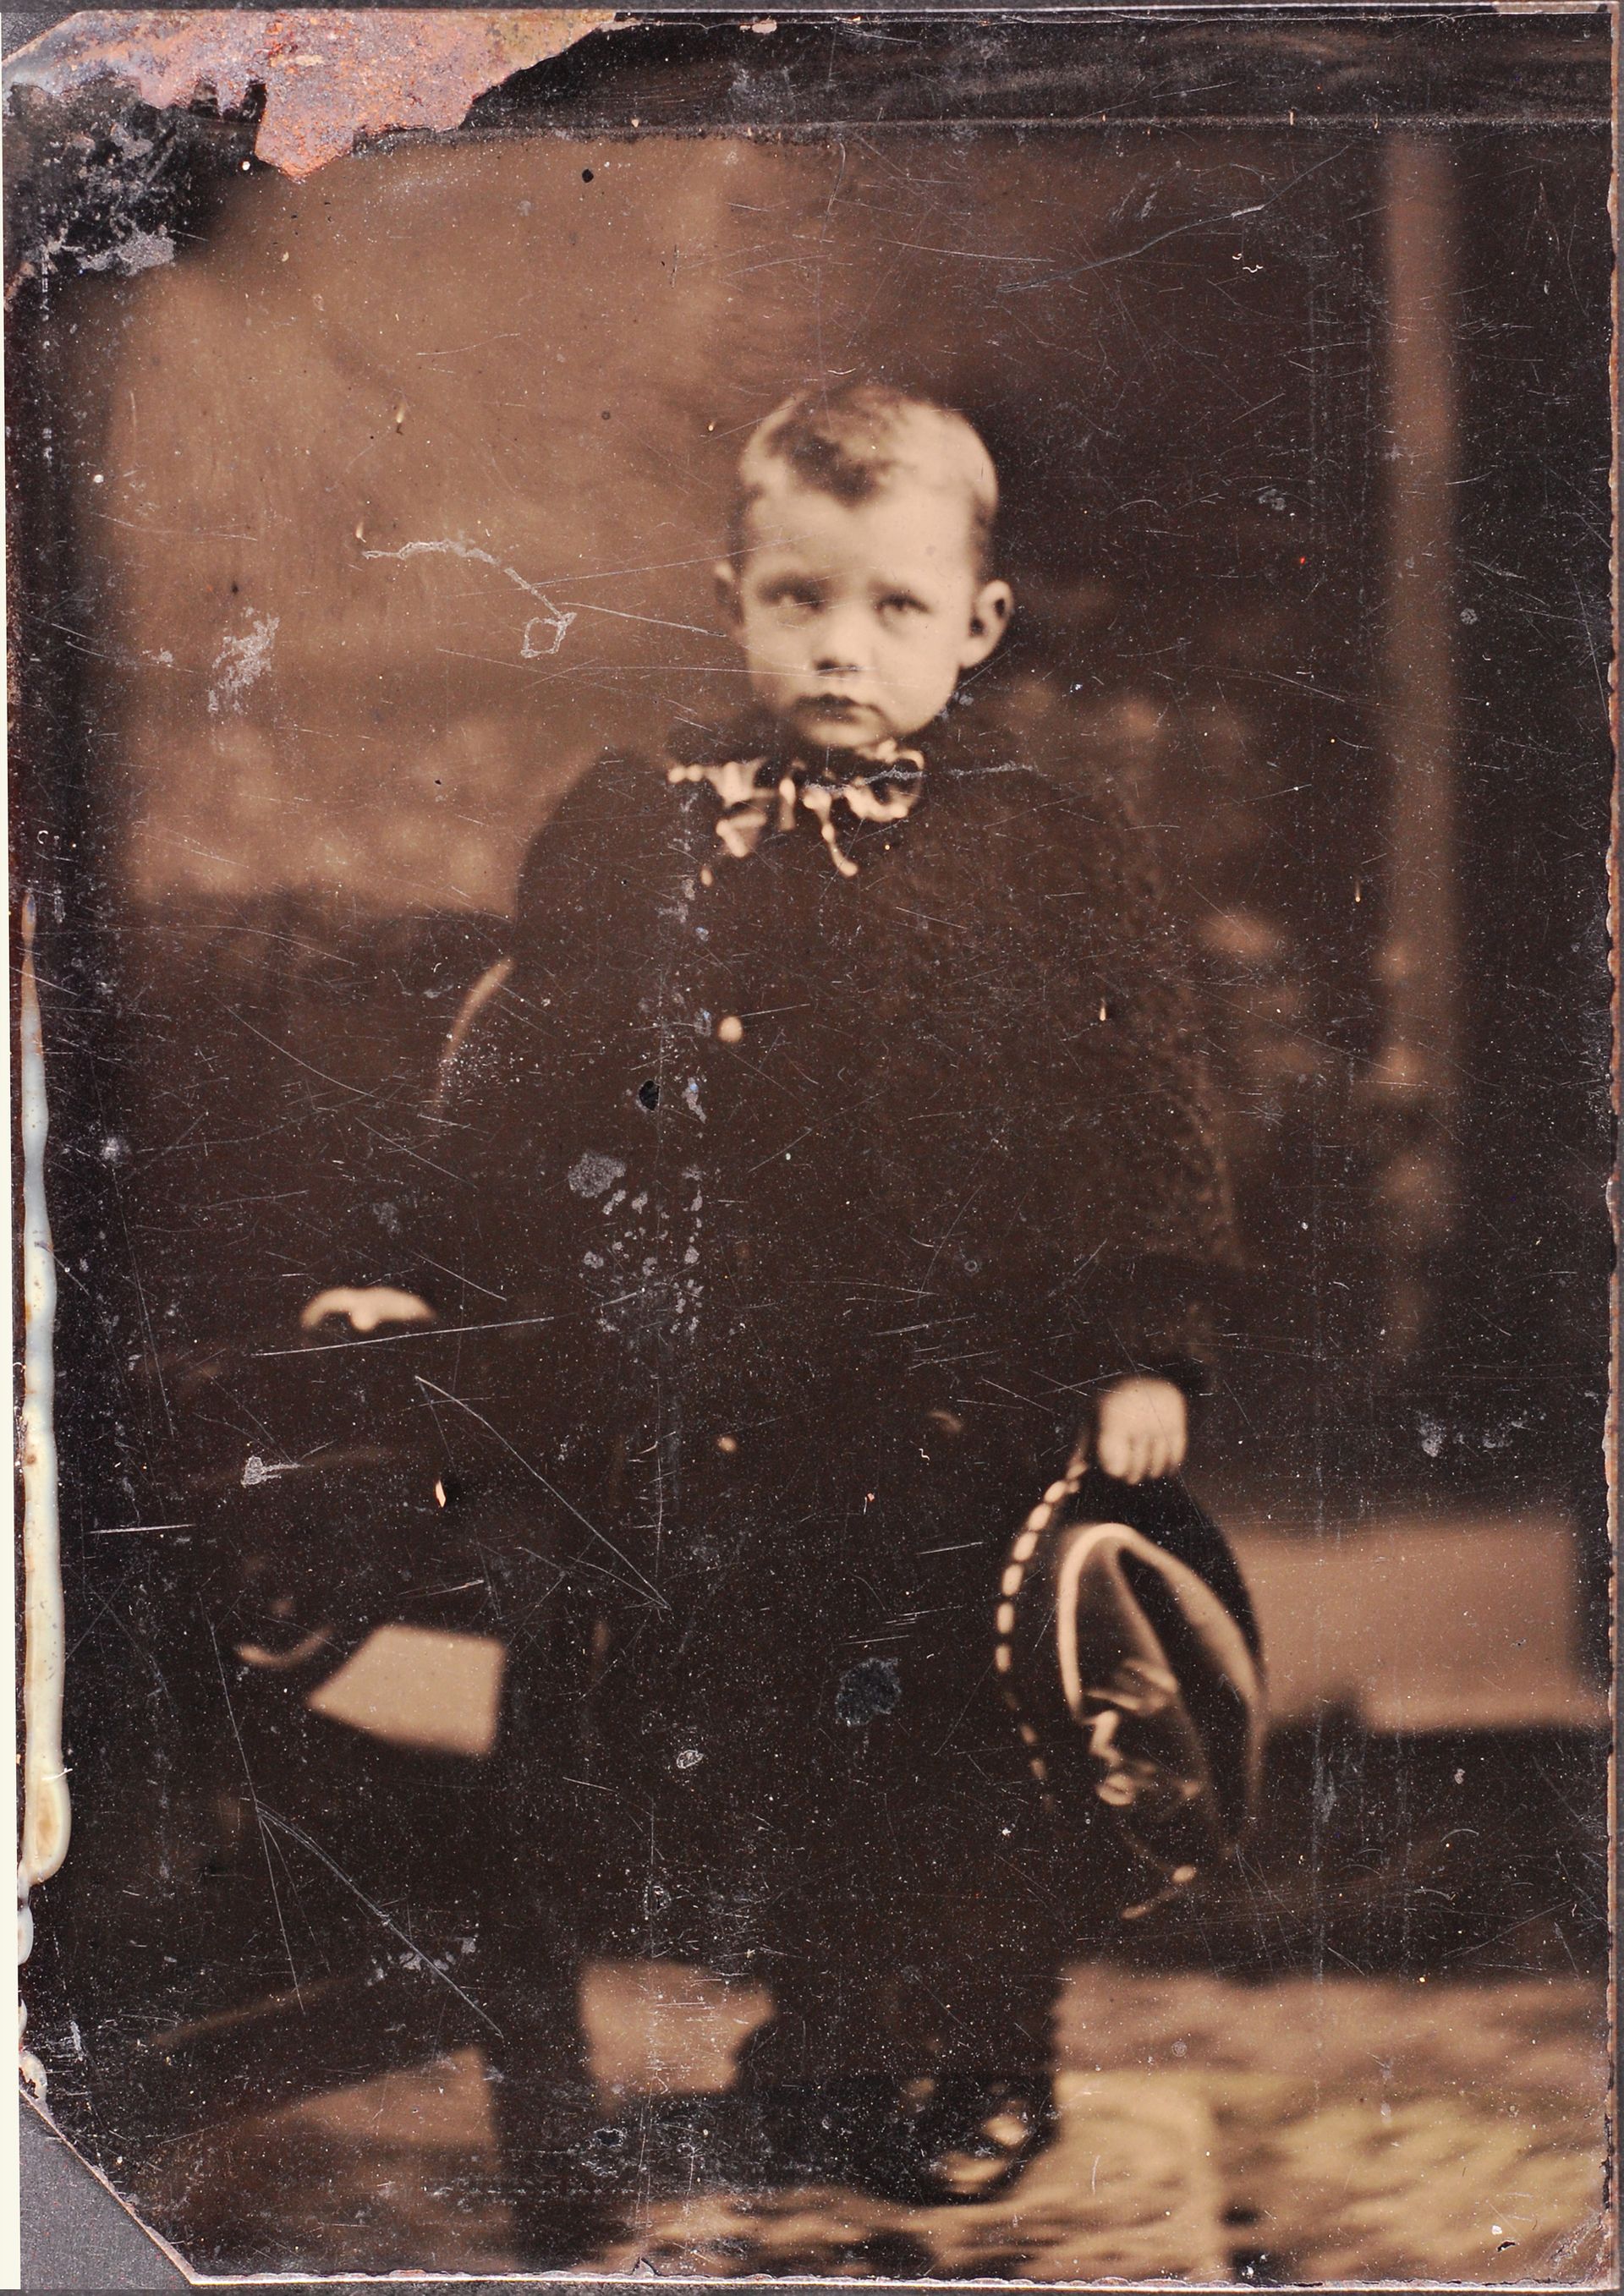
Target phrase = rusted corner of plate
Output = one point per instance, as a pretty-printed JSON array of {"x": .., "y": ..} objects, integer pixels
[{"x": 331, "y": 80}]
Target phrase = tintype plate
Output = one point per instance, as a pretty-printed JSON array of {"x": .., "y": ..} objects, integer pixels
[{"x": 812, "y": 998}]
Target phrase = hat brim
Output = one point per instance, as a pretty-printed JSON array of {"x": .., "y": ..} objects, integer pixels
[{"x": 1136, "y": 1692}]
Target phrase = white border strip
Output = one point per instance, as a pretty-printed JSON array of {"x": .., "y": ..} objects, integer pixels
[{"x": 47, "y": 1817}]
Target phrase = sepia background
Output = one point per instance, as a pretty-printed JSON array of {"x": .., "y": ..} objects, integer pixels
[{"x": 394, "y": 499}]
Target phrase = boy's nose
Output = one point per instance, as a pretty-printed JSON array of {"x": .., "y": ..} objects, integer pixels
[{"x": 837, "y": 649}]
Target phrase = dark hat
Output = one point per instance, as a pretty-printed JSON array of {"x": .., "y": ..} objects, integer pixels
[{"x": 1134, "y": 1684}]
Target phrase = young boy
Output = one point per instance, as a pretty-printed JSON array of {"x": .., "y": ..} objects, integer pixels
[{"x": 835, "y": 1143}]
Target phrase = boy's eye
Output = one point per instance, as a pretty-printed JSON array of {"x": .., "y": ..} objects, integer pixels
[
  {"x": 797, "y": 598},
  {"x": 899, "y": 605}
]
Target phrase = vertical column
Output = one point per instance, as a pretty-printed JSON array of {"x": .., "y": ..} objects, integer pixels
[{"x": 1413, "y": 1089}]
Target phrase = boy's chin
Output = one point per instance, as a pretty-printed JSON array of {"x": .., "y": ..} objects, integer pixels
[{"x": 822, "y": 728}]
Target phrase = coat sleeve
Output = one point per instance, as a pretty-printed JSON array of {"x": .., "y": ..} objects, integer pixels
[
  {"x": 532, "y": 1036},
  {"x": 1146, "y": 1267}
]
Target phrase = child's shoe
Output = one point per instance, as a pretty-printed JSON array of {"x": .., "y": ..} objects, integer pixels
[
  {"x": 831, "y": 2132},
  {"x": 963, "y": 2138}
]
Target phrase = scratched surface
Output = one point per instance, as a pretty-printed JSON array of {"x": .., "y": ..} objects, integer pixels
[{"x": 368, "y": 471}]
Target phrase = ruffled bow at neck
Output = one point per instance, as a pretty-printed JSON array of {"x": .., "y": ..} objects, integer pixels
[{"x": 760, "y": 793}]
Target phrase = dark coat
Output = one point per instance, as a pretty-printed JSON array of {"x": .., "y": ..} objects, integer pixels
[
  {"x": 825, "y": 1292},
  {"x": 967, "y": 1080}
]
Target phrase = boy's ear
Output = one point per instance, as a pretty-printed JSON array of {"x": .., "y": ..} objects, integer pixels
[
  {"x": 724, "y": 574},
  {"x": 989, "y": 614}
]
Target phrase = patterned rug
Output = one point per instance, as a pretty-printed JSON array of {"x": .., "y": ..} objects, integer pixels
[{"x": 1211, "y": 2131}]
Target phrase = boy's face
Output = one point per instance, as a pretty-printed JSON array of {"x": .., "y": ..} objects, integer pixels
[{"x": 858, "y": 619}]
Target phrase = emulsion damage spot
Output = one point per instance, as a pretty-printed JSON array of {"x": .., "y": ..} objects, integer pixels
[{"x": 872, "y": 1689}]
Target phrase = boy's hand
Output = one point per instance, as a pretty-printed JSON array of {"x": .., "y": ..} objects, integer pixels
[{"x": 1142, "y": 1429}]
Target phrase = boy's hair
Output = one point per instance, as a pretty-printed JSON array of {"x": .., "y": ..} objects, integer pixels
[{"x": 853, "y": 442}]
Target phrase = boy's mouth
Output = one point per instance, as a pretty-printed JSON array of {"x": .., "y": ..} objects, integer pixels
[{"x": 839, "y": 708}]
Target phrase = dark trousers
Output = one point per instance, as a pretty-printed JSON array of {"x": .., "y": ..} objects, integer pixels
[{"x": 827, "y": 1797}]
